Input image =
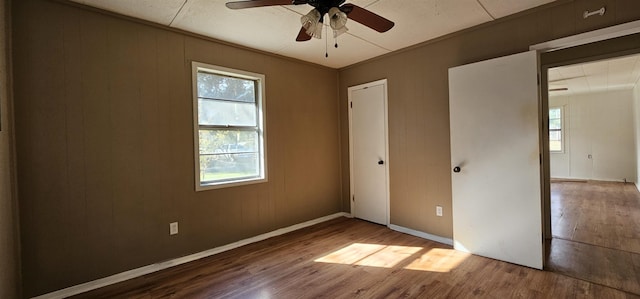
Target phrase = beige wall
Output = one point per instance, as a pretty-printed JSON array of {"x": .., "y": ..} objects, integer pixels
[
  {"x": 418, "y": 100},
  {"x": 9, "y": 280},
  {"x": 105, "y": 146}
]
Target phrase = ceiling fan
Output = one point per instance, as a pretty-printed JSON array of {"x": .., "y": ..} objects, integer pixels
[{"x": 312, "y": 23}]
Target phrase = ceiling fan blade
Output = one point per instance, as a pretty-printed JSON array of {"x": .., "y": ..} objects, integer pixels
[
  {"x": 259, "y": 3},
  {"x": 302, "y": 35},
  {"x": 366, "y": 17}
]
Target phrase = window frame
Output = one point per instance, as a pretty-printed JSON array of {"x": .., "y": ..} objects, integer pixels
[
  {"x": 562, "y": 128},
  {"x": 259, "y": 80}
]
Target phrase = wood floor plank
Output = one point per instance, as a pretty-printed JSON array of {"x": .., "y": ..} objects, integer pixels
[
  {"x": 596, "y": 230},
  {"x": 596, "y": 264},
  {"x": 315, "y": 262},
  {"x": 600, "y": 213}
]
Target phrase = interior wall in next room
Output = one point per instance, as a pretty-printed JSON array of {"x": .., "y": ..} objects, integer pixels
[{"x": 599, "y": 137}]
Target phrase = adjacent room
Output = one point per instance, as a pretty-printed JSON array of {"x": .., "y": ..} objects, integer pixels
[
  {"x": 592, "y": 131},
  {"x": 319, "y": 148}
]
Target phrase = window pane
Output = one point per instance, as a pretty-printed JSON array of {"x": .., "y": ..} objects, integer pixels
[
  {"x": 227, "y": 167},
  {"x": 555, "y": 146},
  {"x": 554, "y": 113},
  {"x": 555, "y": 124},
  {"x": 228, "y": 141},
  {"x": 225, "y": 88},
  {"x": 228, "y": 154},
  {"x": 211, "y": 112},
  {"x": 555, "y": 135}
]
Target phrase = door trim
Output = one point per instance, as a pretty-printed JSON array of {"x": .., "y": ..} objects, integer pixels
[
  {"x": 588, "y": 37},
  {"x": 566, "y": 43},
  {"x": 350, "y": 90}
]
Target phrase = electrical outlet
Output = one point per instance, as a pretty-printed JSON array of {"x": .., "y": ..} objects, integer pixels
[
  {"x": 439, "y": 211},
  {"x": 173, "y": 228}
]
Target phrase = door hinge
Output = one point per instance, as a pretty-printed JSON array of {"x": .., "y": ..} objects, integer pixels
[
  {"x": 351, "y": 104},
  {"x": 539, "y": 79},
  {"x": 540, "y": 159},
  {"x": 353, "y": 198}
]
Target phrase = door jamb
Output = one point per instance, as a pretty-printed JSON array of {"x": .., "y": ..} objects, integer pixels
[
  {"x": 350, "y": 90},
  {"x": 602, "y": 34}
]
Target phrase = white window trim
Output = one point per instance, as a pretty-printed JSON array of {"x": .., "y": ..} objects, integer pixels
[
  {"x": 562, "y": 128},
  {"x": 260, "y": 99}
]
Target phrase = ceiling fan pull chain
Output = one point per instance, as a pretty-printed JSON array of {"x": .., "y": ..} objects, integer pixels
[{"x": 326, "y": 42}]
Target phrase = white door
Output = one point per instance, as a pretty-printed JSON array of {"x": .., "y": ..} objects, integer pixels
[
  {"x": 494, "y": 119},
  {"x": 368, "y": 148}
]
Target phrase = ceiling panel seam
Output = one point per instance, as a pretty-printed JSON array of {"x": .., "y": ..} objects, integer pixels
[
  {"x": 486, "y": 10},
  {"x": 372, "y": 3},
  {"x": 370, "y": 42},
  {"x": 291, "y": 10},
  {"x": 177, "y": 13}
]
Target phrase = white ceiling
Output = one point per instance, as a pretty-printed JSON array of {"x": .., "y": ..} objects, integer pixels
[
  {"x": 604, "y": 75},
  {"x": 274, "y": 29}
]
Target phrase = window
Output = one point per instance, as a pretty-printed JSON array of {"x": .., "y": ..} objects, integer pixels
[
  {"x": 555, "y": 129},
  {"x": 229, "y": 127}
]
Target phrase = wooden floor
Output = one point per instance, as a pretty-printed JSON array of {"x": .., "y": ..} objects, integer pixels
[
  {"x": 596, "y": 233},
  {"x": 349, "y": 258}
]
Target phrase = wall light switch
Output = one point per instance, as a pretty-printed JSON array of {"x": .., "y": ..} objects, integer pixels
[
  {"x": 439, "y": 211},
  {"x": 173, "y": 228}
]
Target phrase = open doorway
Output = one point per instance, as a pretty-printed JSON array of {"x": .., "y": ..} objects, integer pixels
[{"x": 594, "y": 129}]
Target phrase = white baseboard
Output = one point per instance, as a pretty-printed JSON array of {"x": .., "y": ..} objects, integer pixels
[
  {"x": 572, "y": 179},
  {"x": 120, "y": 277},
  {"x": 638, "y": 186},
  {"x": 420, "y": 234},
  {"x": 566, "y": 179}
]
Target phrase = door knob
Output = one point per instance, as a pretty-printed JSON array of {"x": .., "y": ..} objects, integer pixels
[
  {"x": 380, "y": 162},
  {"x": 456, "y": 169}
]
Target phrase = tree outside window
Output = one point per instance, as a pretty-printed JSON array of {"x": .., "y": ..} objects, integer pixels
[{"x": 230, "y": 143}]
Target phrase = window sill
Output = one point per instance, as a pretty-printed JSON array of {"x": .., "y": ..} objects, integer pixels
[{"x": 220, "y": 185}]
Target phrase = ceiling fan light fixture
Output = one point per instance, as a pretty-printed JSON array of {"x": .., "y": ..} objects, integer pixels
[
  {"x": 337, "y": 21},
  {"x": 311, "y": 23},
  {"x": 338, "y": 32}
]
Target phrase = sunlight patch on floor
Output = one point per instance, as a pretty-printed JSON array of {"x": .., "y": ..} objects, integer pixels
[
  {"x": 371, "y": 255},
  {"x": 438, "y": 260}
]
